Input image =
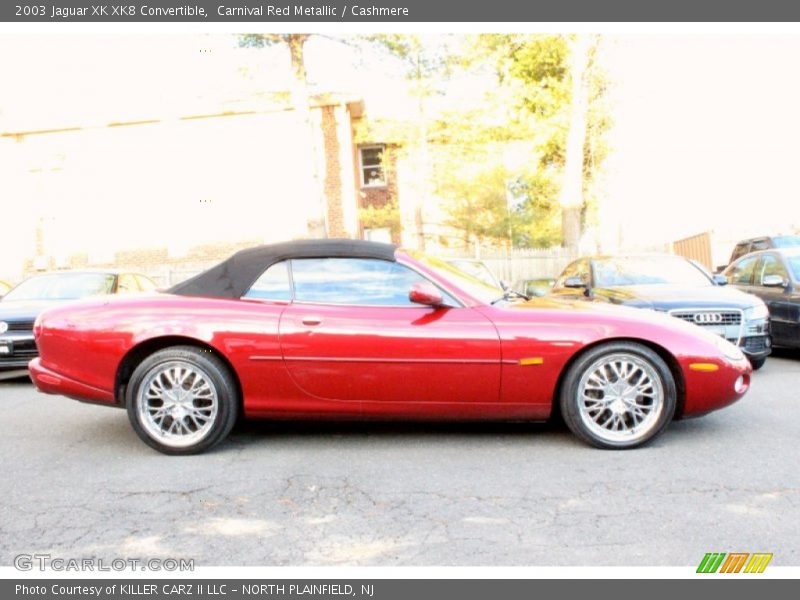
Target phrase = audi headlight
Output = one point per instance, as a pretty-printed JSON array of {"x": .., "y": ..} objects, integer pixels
[
  {"x": 757, "y": 312},
  {"x": 729, "y": 351}
]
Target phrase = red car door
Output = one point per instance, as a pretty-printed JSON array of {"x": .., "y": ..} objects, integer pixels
[{"x": 352, "y": 335}]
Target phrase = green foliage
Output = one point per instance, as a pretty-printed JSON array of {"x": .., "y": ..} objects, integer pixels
[
  {"x": 497, "y": 163},
  {"x": 257, "y": 40},
  {"x": 540, "y": 64},
  {"x": 377, "y": 217},
  {"x": 426, "y": 60},
  {"x": 264, "y": 40}
]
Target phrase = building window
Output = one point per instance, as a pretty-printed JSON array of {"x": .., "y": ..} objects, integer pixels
[{"x": 372, "y": 174}]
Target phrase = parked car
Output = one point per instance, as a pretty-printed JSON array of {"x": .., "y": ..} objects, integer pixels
[
  {"x": 20, "y": 307},
  {"x": 773, "y": 276},
  {"x": 536, "y": 287},
  {"x": 355, "y": 329},
  {"x": 677, "y": 286},
  {"x": 4, "y": 287},
  {"x": 764, "y": 243}
]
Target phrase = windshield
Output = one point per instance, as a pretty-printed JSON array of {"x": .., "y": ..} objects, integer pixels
[
  {"x": 476, "y": 269},
  {"x": 62, "y": 286},
  {"x": 469, "y": 283},
  {"x": 612, "y": 272},
  {"x": 794, "y": 265},
  {"x": 786, "y": 241}
]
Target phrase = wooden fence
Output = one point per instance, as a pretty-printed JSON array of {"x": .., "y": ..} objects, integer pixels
[
  {"x": 696, "y": 247},
  {"x": 511, "y": 266},
  {"x": 518, "y": 264}
]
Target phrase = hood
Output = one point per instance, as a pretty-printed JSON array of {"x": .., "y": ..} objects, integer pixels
[
  {"x": 24, "y": 310},
  {"x": 629, "y": 319},
  {"x": 669, "y": 297},
  {"x": 597, "y": 308}
]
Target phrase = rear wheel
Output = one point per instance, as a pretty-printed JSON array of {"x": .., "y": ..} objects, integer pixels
[
  {"x": 618, "y": 395},
  {"x": 182, "y": 400}
]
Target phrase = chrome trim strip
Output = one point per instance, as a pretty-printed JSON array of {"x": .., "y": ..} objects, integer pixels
[{"x": 472, "y": 361}]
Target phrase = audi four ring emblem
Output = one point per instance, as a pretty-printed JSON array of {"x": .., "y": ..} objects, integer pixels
[{"x": 708, "y": 318}]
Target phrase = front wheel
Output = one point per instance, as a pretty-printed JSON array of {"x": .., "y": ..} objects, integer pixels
[
  {"x": 182, "y": 400},
  {"x": 757, "y": 363},
  {"x": 618, "y": 395}
]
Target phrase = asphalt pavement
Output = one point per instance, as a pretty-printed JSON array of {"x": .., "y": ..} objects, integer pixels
[{"x": 77, "y": 482}]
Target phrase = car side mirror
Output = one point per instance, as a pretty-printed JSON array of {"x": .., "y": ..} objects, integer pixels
[
  {"x": 575, "y": 283},
  {"x": 773, "y": 281},
  {"x": 425, "y": 293},
  {"x": 720, "y": 279}
]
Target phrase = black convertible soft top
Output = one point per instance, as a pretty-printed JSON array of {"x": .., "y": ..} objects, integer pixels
[{"x": 233, "y": 277}]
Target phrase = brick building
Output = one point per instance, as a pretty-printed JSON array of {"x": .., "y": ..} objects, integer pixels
[{"x": 168, "y": 195}]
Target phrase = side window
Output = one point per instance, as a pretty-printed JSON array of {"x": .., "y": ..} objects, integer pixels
[
  {"x": 272, "y": 285},
  {"x": 570, "y": 271},
  {"x": 127, "y": 284},
  {"x": 742, "y": 273},
  {"x": 771, "y": 265},
  {"x": 579, "y": 268},
  {"x": 354, "y": 281}
]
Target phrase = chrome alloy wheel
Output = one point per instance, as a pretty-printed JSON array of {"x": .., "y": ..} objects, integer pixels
[
  {"x": 177, "y": 403},
  {"x": 620, "y": 397}
]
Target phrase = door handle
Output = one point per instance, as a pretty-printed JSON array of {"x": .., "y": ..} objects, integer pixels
[{"x": 311, "y": 321}]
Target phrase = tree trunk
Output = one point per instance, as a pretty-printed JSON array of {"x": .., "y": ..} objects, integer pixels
[
  {"x": 301, "y": 102},
  {"x": 571, "y": 198}
]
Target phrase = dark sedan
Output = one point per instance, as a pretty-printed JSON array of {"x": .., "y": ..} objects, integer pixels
[
  {"x": 677, "y": 286},
  {"x": 20, "y": 307},
  {"x": 773, "y": 276}
]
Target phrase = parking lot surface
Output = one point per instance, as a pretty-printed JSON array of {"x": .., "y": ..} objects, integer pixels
[{"x": 77, "y": 482}]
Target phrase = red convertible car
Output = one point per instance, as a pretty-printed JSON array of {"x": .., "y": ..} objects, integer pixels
[{"x": 352, "y": 329}]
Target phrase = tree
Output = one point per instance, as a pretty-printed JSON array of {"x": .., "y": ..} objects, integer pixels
[
  {"x": 522, "y": 120},
  {"x": 558, "y": 83},
  {"x": 425, "y": 62},
  {"x": 571, "y": 198},
  {"x": 301, "y": 102},
  {"x": 498, "y": 163}
]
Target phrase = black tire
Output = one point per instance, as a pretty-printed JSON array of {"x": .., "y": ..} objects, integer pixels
[
  {"x": 757, "y": 363},
  {"x": 639, "y": 355},
  {"x": 208, "y": 367}
]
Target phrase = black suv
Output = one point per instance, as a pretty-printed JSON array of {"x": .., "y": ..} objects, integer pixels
[{"x": 764, "y": 243}]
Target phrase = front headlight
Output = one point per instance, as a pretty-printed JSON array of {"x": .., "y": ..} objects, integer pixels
[
  {"x": 757, "y": 312},
  {"x": 729, "y": 351}
]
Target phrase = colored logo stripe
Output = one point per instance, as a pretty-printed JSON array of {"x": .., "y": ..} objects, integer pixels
[
  {"x": 711, "y": 562},
  {"x": 716, "y": 561},
  {"x": 758, "y": 562},
  {"x": 734, "y": 562}
]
